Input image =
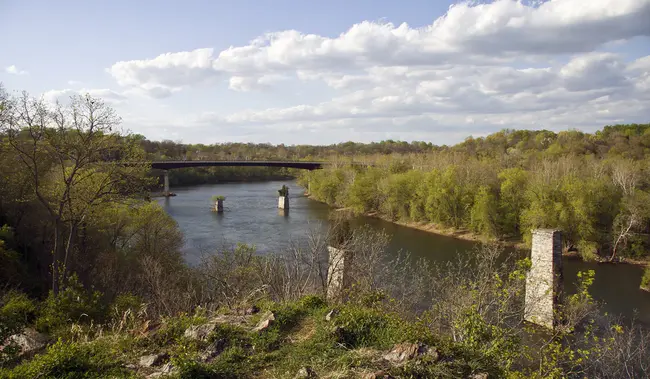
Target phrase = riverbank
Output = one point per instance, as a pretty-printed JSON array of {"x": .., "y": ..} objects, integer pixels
[{"x": 467, "y": 235}]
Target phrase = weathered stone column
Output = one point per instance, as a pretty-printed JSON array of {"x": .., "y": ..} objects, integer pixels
[
  {"x": 218, "y": 206},
  {"x": 283, "y": 202},
  {"x": 338, "y": 279},
  {"x": 166, "y": 182},
  {"x": 544, "y": 280}
]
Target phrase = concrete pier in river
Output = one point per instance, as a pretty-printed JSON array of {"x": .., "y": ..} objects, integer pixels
[{"x": 544, "y": 280}]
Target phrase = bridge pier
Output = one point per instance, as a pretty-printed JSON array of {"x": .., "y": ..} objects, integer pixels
[
  {"x": 166, "y": 182},
  {"x": 544, "y": 280}
]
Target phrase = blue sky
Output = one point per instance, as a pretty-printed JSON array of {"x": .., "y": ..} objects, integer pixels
[{"x": 325, "y": 72}]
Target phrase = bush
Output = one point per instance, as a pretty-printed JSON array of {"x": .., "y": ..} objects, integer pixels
[
  {"x": 359, "y": 326},
  {"x": 645, "y": 280},
  {"x": 71, "y": 360},
  {"x": 73, "y": 304},
  {"x": 16, "y": 312}
]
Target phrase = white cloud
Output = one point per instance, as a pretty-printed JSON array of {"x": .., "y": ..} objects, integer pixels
[
  {"x": 478, "y": 67},
  {"x": 13, "y": 70},
  {"x": 500, "y": 31},
  {"x": 167, "y": 73}
]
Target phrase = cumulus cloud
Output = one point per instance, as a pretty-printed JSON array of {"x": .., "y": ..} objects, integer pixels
[
  {"x": 166, "y": 73},
  {"x": 503, "y": 30},
  {"x": 13, "y": 70},
  {"x": 478, "y": 67}
]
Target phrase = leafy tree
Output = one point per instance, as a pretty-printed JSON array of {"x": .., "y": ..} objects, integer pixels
[{"x": 76, "y": 160}]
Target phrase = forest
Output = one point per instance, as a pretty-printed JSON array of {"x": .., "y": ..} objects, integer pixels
[
  {"x": 593, "y": 187},
  {"x": 93, "y": 283}
]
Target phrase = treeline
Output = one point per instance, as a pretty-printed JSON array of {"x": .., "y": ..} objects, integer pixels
[
  {"x": 170, "y": 150},
  {"x": 594, "y": 187}
]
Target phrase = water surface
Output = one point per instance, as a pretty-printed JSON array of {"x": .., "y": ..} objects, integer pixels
[{"x": 251, "y": 216}]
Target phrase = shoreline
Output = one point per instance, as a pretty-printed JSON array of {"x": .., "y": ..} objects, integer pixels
[{"x": 466, "y": 235}]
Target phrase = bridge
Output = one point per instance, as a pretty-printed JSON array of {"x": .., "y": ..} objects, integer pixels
[{"x": 170, "y": 165}]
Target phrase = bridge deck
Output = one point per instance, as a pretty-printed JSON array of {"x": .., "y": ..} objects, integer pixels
[{"x": 168, "y": 165}]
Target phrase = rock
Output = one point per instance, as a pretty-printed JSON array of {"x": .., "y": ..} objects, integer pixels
[
  {"x": 168, "y": 368},
  {"x": 212, "y": 351},
  {"x": 376, "y": 375},
  {"x": 29, "y": 341},
  {"x": 406, "y": 351},
  {"x": 199, "y": 332},
  {"x": 252, "y": 310},
  {"x": 153, "y": 360},
  {"x": 480, "y": 375},
  {"x": 266, "y": 321},
  {"x": 305, "y": 373},
  {"x": 165, "y": 370},
  {"x": 331, "y": 314}
]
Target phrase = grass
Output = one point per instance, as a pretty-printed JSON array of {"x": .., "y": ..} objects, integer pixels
[{"x": 350, "y": 344}]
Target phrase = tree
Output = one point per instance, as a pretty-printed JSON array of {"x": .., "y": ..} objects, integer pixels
[{"x": 76, "y": 159}]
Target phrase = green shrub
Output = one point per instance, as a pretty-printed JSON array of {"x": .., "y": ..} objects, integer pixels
[
  {"x": 71, "y": 360},
  {"x": 173, "y": 328},
  {"x": 645, "y": 280},
  {"x": 16, "y": 312},
  {"x": 359, "y": 326},
  {"x": 73, "y": 304}
]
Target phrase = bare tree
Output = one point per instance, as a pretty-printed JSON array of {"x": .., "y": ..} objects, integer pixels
[{"x": 76, "y": 158}]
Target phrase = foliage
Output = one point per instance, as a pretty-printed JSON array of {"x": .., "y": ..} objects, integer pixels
[
  {"x": 645, "y": 279},
  {"x": 73, "y": 304},
  {"x": 72, "y": 360},
  {"x": 284, "y": 191},
  {"x": 500, "y": 187},
  {"x": 218, "y": 198}
]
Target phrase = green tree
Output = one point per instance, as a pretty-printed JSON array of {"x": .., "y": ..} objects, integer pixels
[
  {"x": 484, "y": 213},
  {"x": 76, "y": 160}
]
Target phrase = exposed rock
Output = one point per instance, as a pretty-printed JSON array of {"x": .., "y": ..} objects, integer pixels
[
  {"x": 212, "y": 351},
  {"x": 153, "y": 360},
  {"x": 199, "y": 332},
  {"x": 331, "y": 314},
  {"x": 229, "y": 319},
  {"x": 266, "y": 321},
  {"x": 376, "y": 375},
  {"x": 165, "y": 370},
  {"x": 480, "y": 375},
  {"x": 252, "y": 310},
  {"x": 305, "y": 373},
  {"x": 29, "y": 341},
  {"x": 405, "y": 351}
]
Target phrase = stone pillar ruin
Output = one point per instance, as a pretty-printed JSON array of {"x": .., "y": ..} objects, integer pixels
[
  {"x": 337, "y": 273},
  {"x": 544, "y": 280},
  {"x": 166, "y": 183},
  {"x": 218, "y": 206},
  {"x": 283, "y": 202}
]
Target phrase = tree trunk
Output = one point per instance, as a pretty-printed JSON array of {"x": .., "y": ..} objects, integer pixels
[{"x": 56, "y": 255}]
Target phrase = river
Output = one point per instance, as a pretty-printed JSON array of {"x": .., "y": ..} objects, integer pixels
[{"x": 251, "y": 216}]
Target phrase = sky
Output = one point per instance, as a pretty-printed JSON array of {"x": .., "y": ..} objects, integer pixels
[{"x": 321, "y": 72}]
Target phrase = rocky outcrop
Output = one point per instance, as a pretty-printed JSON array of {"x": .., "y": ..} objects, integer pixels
[
  {"x": 306, "y": 373},
  {"x": 29, "y": 341},
  {"x": 267, "y": 320},
  {"x": 153, "y": 360},
  {"x": 213, "y": 351},
  {"x": 331, "y": 314},
  {"x": 199, "y": 332},
  {"x": 403, "y": 352},
  {"x": 165, "y": 370}
]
